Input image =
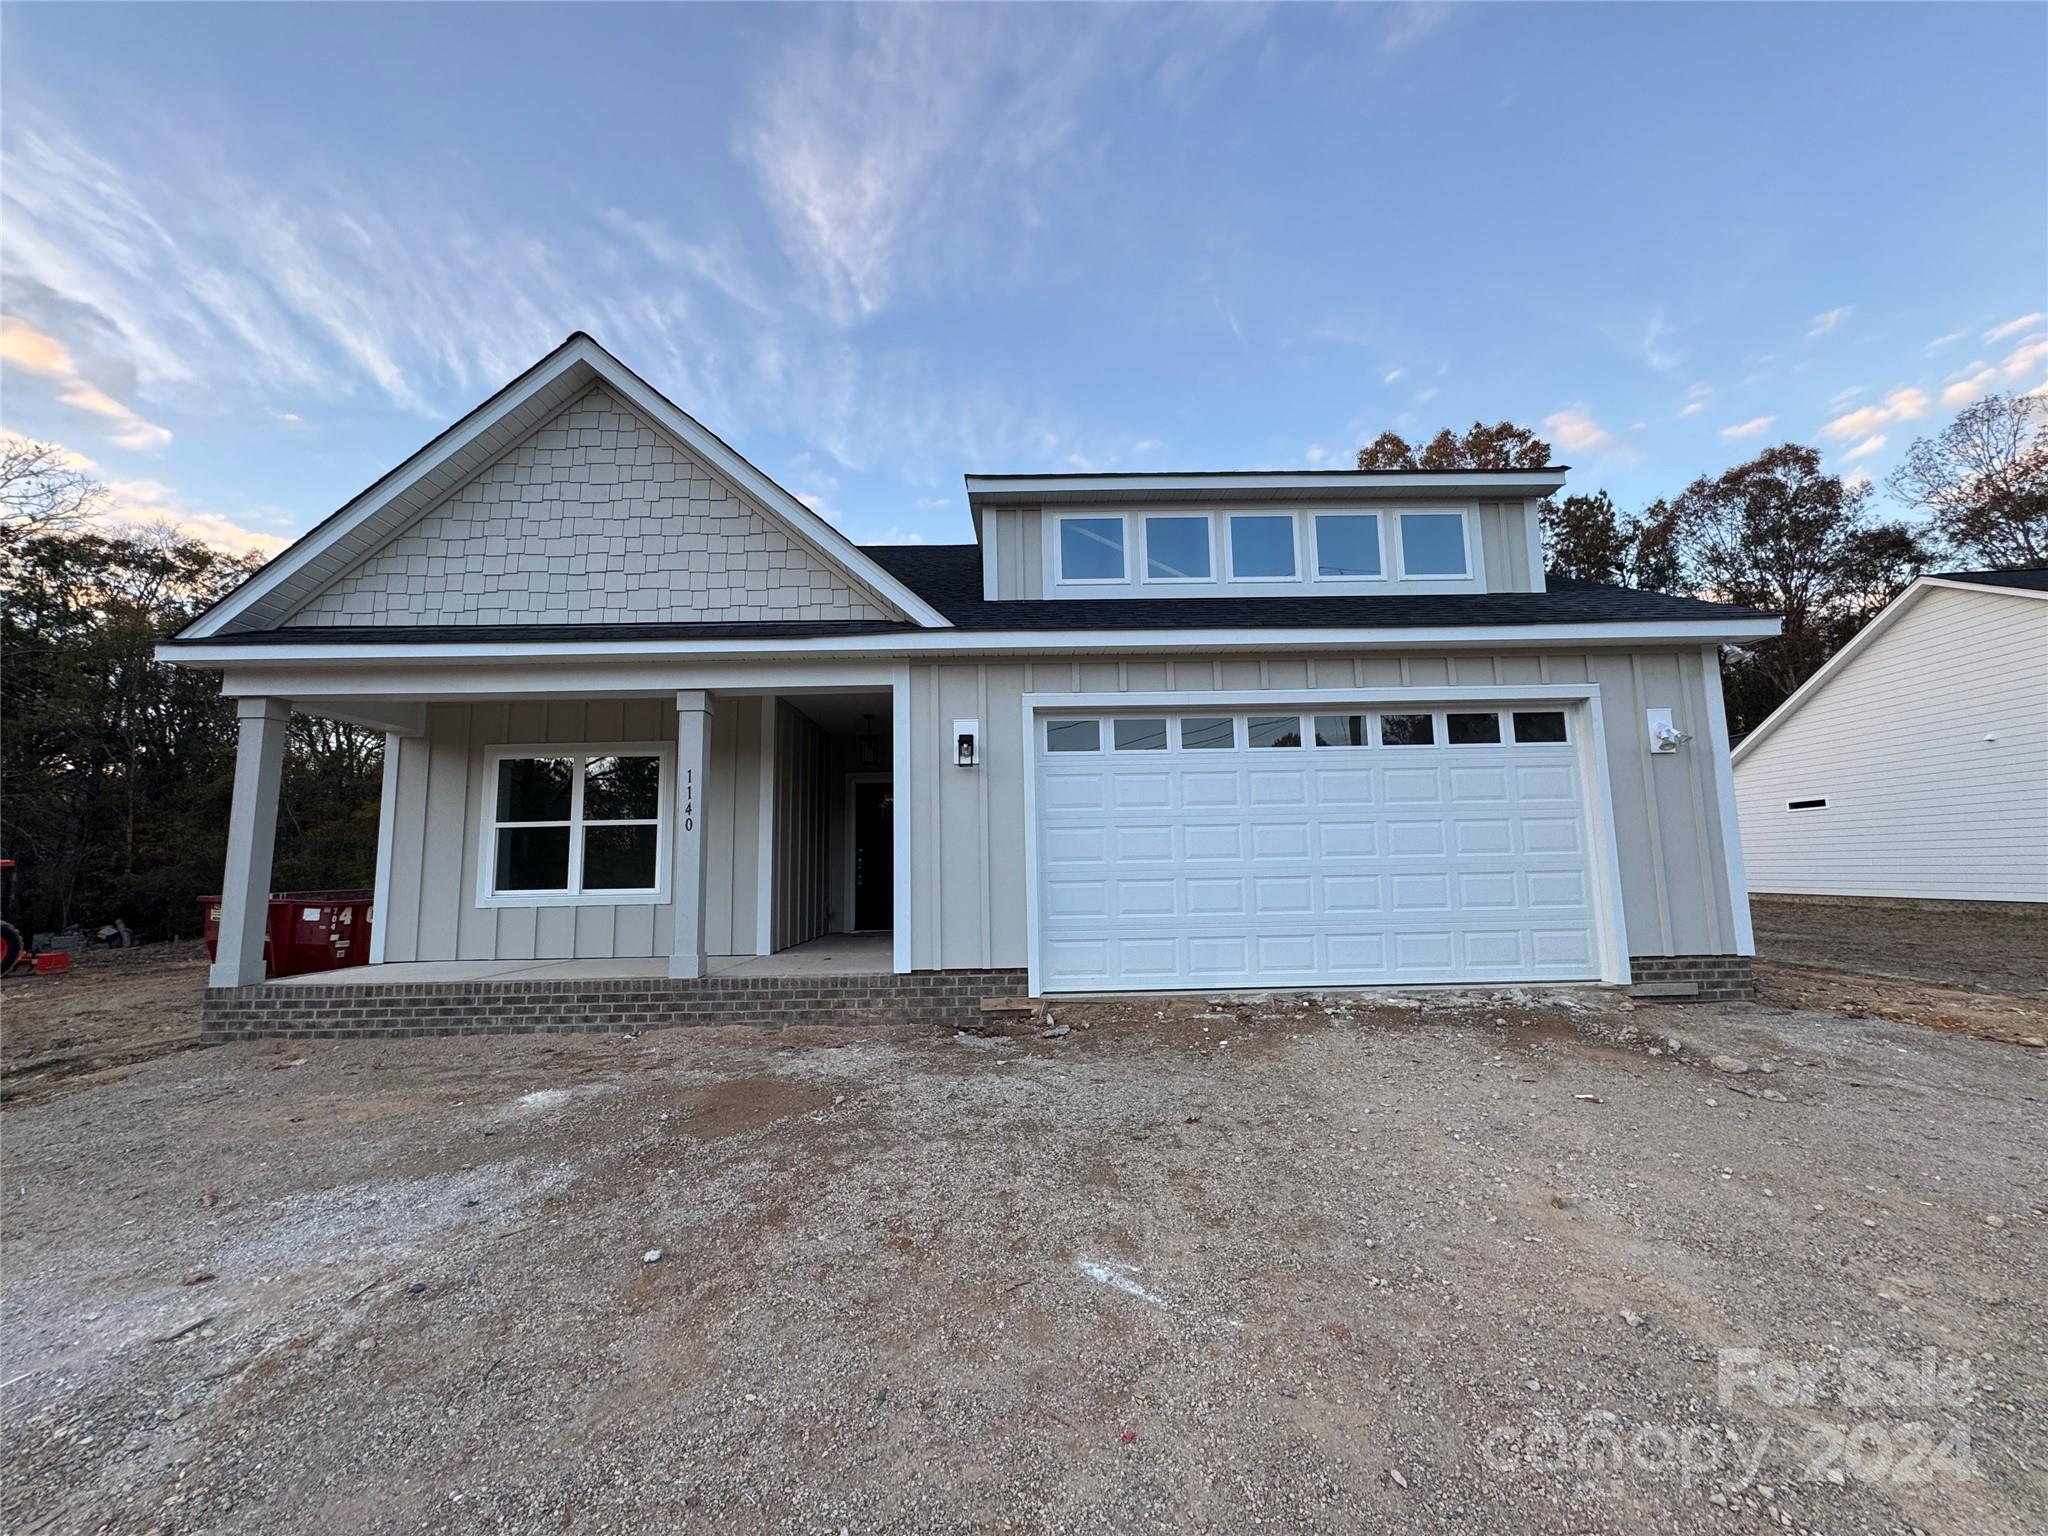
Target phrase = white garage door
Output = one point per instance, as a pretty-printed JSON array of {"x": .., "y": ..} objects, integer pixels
[{"x": 1263, "y": 848}]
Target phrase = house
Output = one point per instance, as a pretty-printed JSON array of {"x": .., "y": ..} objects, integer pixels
[
  {"x": 1915, "y": 763},
  {"x": 651, "y": 722}
]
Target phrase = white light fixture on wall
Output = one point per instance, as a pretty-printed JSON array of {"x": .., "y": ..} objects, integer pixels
[
  {"x": 967, "y": 743},
  {"x": 1664, "y": 736}
]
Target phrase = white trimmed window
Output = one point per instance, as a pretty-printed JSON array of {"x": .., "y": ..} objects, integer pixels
[
  {"x": 1435, "y": 544},
  {"x": 570, "y": 824}
]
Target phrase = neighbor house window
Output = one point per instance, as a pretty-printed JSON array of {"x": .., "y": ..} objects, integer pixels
[
  {"x": 1347, "y": 544},
  {"x": 1262, "y": 547},
  {"x": 1091, "y": 549},
  {"x": 1433, "y": 544},
  {"x": 1177, "y": 549},
  {"x": 576, "y": 823}
]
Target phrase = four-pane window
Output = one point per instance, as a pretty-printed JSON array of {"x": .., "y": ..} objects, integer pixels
[{"x": 577, "y": 823}]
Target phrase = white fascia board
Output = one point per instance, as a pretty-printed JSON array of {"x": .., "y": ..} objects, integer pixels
[
  {"x": 1514, "y": 481},
  {"x": 958, "y": 642},
  {"x": 354, "y": 514}
]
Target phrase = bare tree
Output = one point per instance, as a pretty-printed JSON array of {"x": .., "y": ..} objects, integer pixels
[
  {"x": 40, "y": 491},
  {"x": 1983, "y": 480}
]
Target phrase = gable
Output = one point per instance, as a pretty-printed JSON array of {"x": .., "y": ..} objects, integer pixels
[
  {"x": 596, "y": 517},
  {"x": 1939, "y": 647}
]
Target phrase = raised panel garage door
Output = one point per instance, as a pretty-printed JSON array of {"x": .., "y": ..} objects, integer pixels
[{"x": 1272, "y": 849}]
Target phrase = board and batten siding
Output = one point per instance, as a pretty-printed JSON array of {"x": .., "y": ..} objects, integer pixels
[
  {"x": 1920, "y": 803},
  {"x": 968, "y": 836},
  {"x": 431, "y": 910},
  {"x": 802, "y": 820}
]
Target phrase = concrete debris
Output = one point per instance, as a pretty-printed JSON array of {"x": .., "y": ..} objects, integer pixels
[{"x": 1735, "y": 1066}]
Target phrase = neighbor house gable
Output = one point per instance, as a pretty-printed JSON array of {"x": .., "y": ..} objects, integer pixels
[
  {"x": 1983, "y": 585},
  {"x": 760, "y": 525}
]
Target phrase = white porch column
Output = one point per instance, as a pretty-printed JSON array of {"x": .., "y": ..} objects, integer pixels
[
  {"x": 252, "y": 839},
  {"x": 693, "y": 764}
]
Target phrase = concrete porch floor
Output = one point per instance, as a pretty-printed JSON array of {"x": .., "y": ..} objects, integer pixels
[{"x": 836, "y": 954}]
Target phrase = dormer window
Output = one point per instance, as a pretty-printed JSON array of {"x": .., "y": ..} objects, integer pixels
[
  {"x": 1092, "y": 549},
  {"x": 1262, "y": 546},
  {"x": 1433, "y": 545},
  {"x": 1348, "y": 546},
  {"x": 1177, "y": 548}
]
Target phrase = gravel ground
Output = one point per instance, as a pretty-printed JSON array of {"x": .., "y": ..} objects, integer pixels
[{"x": 1464, "y": 1266}]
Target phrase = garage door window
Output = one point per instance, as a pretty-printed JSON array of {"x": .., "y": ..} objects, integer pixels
[
  {"x": 1073, "y": 736},
  {"x": 1407, "y": 730},
  {"x": 1465, "y": 729},
  {"x": 1340, "y": 730},
  {"x": 1139, "y": 735},
  {"x": 1274, "y": 730},
  {"x": 1538, "y": 726},
  {"x": 1207, "y": 733}
]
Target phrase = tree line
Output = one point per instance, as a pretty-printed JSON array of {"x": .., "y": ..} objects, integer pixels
[
  {"x": 1781, "y": 533},
  {"x": 116, "y": 770}
]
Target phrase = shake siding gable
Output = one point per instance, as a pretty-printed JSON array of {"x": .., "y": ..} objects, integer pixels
[
  {"x": 597, "y": 517},
  {"x": 1930, "y": 747}
]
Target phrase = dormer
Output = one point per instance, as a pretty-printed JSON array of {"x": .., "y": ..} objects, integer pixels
[{"x": 1328, "y": 533}]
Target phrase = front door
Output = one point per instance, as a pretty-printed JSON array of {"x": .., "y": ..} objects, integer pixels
[{"x": 874, "y": 855}]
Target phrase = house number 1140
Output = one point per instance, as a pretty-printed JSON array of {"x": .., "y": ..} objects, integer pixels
[{"x": 689, "y": 799}]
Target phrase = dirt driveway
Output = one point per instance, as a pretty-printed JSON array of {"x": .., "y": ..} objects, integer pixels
[{"x": 1460, "y": 1268}]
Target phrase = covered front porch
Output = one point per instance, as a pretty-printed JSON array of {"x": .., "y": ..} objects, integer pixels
[{"x": 745, "y": 833}]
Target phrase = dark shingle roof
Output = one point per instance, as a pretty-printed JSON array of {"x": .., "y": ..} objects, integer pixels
[
  {"x": 2033, "y": 578},
  {"x": 948, "y": 576}
]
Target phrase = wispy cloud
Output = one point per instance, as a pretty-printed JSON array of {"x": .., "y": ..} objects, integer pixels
[
  {"x": 1394, "y": 375},
  {"x": 1900, "y": 405},
  {"x": 1856, "y": 479},
  {"x": 1871, "y": 444},
  {"x": 1756, "y": 426},
  {"x": 28, "y": 350},
  {"x": 1827, "y": 321},
  {"x": 2021, "y": 366},
  {"x": 1947, "y": 339},
  {"x": 1692, "y": 409},
  {"x": 884, "y": 138},
  {"x": 1656, "y": 349},
  {"x": 2014, "y": 327}
]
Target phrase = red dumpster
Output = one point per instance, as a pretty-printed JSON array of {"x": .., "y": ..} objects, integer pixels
[{"x": 306, "y": 931}]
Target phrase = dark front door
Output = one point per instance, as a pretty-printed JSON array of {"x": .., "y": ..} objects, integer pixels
[{"x": 874, "y": 855}]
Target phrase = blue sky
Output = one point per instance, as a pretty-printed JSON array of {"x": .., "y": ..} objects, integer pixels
[{"x": 255, "y": 255}]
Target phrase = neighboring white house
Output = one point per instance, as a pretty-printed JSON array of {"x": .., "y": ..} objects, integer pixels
[
  {"x": 1915, "y": 763},
  {"x": 644, "y": 709}
]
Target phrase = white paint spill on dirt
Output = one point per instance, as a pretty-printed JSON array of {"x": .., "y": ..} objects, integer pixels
[{"x": 1119, "y": 1275}]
